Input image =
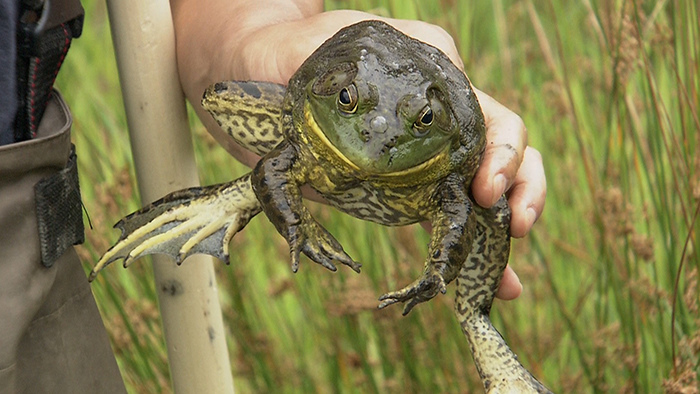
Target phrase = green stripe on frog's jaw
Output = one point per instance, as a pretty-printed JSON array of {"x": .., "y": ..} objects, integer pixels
[{"x": 316, "y": 130}]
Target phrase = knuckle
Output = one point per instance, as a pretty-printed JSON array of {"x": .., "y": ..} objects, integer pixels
[{"x": 519, "y": 126}]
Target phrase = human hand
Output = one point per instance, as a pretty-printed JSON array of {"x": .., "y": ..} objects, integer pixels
[
  {"x": 512, "y": 167},
  {"x": 271, "y": 45}
]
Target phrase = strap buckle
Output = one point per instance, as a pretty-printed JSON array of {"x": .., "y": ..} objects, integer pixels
[
  {"x": 38, "y": 17},
  {"x": 44, "y": 34}
]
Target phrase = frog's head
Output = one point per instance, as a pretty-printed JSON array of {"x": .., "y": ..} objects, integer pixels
[{"x": 385, "y": 103}]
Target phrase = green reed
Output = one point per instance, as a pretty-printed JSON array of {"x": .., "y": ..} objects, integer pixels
[{"x": 609, "y": 91}]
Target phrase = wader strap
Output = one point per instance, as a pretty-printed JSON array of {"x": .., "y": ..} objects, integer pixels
[
  {"x": 44, "y": 34},
  {"x": 58, "y": 212}
]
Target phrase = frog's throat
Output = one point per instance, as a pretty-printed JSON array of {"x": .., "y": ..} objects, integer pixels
[{"x": 316, "y": 130}]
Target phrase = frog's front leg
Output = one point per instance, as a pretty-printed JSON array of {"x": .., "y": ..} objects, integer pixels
[
  {"x": 276, "y": 183},
  {"x": 454, "y": 226}
]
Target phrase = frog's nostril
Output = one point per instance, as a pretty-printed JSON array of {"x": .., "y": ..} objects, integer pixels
[
  {"x": 220, "y": 87},
  {"x": 365, "y": 135},
  {"x": 378, "y": 124}
]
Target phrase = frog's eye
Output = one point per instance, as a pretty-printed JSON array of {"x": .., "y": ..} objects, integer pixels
[
  {"x": 421, "y": 126},
  {"x": 442, "y": 118},
  {"x": 347, "y": 99}
]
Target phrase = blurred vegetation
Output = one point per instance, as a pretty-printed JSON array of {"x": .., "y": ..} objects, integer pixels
[{"x": 610, "y": 92}]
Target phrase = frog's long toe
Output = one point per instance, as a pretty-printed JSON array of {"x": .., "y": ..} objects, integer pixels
[{"x": 196, "y": 220}]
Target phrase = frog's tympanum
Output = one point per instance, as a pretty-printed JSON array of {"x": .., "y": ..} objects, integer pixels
[{"x": 386, "y": 129}]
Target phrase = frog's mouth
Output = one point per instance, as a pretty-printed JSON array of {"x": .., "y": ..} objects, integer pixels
[{"x": 441, "y": 157}]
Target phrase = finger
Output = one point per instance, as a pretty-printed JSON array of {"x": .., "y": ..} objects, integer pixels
[
  {"x": 337, "y": 253},
  {"x": 527, "y": 196},
  {"x": 279, "y": 64},
  {"x": 318, "y": 255},
  {"x": 385, "y": 301},
  {"x": 510, "y": 287},
  {"x": 294, "y": 256},
  {"x": 409, "y": 306},
  {"x": 430, "y": 34},
  {"x": 506, "y": 139}
]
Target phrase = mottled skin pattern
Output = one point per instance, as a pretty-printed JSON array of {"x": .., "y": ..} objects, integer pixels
[
  {"x": 386, "y": 129},
  {"x": 477, "y": 282}
]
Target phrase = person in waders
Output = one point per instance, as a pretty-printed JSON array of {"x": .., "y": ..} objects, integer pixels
[{"x": 51, "y": 335}]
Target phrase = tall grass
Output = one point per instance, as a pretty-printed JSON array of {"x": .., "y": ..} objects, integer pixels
[{"x": 610, "y": 92}]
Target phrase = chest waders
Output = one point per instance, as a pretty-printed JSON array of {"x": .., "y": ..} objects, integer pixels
[{"x": 51, "y": 334}]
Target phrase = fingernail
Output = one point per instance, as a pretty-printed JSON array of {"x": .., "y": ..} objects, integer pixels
[
  {"x": 519, "y": 283},
  {"x": 510, "y": 289},
  {"x": 518, "y": 279},
  {"x": 530, "y": 216},
  {"x": 498, "y": 187}
]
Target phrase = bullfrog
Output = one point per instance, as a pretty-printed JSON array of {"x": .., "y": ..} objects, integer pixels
[{"x": 385, "y": 128}]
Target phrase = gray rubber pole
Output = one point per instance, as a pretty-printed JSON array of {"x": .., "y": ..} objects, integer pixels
[{"x": 144, "y": 42}]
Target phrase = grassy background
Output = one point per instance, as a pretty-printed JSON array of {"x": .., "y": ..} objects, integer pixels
[{"x": 610, "y": 92}]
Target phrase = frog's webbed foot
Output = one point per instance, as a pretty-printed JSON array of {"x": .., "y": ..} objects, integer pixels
[
  {"x": 318, "y": 244},
  {"x": 424, "y": 289},
  {"x": 195, "y": 220}
]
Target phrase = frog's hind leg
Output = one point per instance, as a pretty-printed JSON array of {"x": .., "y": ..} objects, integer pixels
[
  {"x": 477, "y": 283},
  {"x": 195, "y": 220},
  {"x": 249, "y": 112}
]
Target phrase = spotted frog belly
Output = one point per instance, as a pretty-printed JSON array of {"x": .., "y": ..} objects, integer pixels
[{"x": 387, "y": 207}]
